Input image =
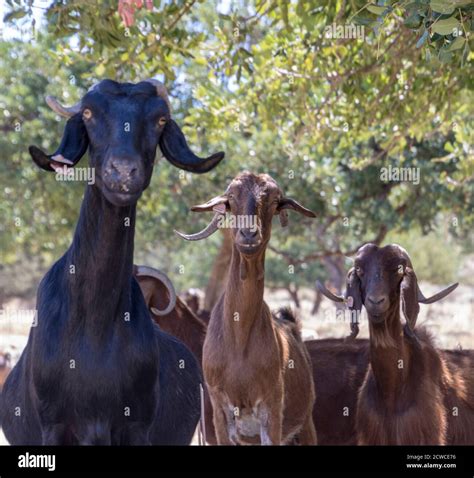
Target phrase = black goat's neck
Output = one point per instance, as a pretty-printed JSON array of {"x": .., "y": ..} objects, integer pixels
[
  {"x": 390, "y": 356},
  {"x": 100, "y": 261},
  {"x": 243, "y": 299}
]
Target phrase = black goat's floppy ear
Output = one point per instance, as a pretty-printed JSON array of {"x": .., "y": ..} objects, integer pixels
[
  {"x": 175, "y": 149},
  {"x": 288, "y": 203},
  {"x": 353, "y": 301},
  {"x": 73, "y": 146},
  {"x": 409, "y": 299}
]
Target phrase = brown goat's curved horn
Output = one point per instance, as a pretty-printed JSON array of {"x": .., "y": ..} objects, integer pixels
[
  {"x": 160, "y": 90},
  {"x": 66, "y": 111},
  {"x": 322, "y": 288},
  {"x": 144, "y": 271},
  {"x": 211, "y": 228},
  {"x": 434, "y": 298}
]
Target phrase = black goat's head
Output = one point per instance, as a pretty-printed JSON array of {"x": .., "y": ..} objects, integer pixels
[
  {"x": 253, "y": 199},
  {"x": 381, "y": 278},
  {"x": 122, "y": 124}
]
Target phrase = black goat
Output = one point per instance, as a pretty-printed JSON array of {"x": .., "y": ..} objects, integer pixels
[{"x": 96, "y": 369}]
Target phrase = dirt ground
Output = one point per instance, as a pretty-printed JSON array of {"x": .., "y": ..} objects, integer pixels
[{"x": 451, "y": 320}]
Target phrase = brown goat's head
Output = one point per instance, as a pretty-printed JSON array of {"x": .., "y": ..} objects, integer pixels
[
  {"x": 381, "y": 278},
  {"x": 252, "y": 200}
]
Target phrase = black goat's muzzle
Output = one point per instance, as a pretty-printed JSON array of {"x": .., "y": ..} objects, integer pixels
[{"x": 123, "y": 180}]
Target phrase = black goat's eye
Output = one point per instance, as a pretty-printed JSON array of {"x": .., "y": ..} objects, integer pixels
[
  {"x": 162, "y": 121},
  {"x": 358, "y": 270},
  {"x": 87, "y": 114}
]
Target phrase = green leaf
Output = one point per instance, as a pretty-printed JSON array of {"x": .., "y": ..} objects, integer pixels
[
  {"x": 378, "y": 10},
  {"x": 422, "y": 39},
  {"x": 446, "y": 26},
  {"x": 446, "y": 7},
  {"x": 413, "y": 21},
  {"x": 14, "y": 15},
  {"x": 457, "y": 44},
  {"x": 445, "y": 56}
]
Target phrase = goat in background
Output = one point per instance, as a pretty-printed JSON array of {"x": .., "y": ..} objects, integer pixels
[{"x": 413, "y": 393}]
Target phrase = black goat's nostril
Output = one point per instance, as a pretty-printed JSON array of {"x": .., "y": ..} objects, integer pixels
[{"x": 376, "y": 300}]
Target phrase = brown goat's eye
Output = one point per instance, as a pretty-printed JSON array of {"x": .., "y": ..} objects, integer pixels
[
  {"x": 87, "y": 114},
  {"x": 162, "y": 121}
]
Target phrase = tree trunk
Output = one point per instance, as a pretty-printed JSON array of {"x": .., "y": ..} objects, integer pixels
[
  {"x": 317, "y": 302},
  {"x": 294, "y": 295}
]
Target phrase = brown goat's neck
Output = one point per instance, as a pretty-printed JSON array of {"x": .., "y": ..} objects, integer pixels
[
  {"x": 243, "y": 299},
  {"x": 99, "y": 261},
  {"x": 390, "y": 357}
]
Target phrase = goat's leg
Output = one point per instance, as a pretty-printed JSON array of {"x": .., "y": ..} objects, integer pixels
[
  {"x": 271, "y": 421},
  {"x": 307, "y": 435},
  {"x": 220, "y": 418}
]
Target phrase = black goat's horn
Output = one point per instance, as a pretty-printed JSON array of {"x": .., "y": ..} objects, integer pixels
[{"x": 434, "y": 298}]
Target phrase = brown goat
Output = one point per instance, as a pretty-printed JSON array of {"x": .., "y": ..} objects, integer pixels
[
  {"x": 256, "y": 367},
  {"x": 412, "y": 394}
]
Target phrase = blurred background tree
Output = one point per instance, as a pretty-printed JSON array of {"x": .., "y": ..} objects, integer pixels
[{"x": 284, "y": 88}]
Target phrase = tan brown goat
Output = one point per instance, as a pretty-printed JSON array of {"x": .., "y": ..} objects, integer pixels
[
  {"x": 413, "y": 393},
  {"x": 257, "y": 369}
]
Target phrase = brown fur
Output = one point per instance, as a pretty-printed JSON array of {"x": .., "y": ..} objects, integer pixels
[
  {"x": 339, "y": 370},
  {"x": 257, "y": 370},
  {"x": 411, "y": 391}
]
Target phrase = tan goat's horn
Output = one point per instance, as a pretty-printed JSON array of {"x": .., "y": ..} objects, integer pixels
[
  {"x": 322, "y": 288},
  {"x": 144, "y": 271},
  {"x": 160, "y": 90},
  {"x": 211, "y": 228},
  {"x": 440, "y": 295},
  {"x": 66, "y": 111}
]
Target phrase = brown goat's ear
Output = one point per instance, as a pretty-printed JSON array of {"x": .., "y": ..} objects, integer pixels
[
  {"x": 354, "y": 301},
  {"x": 409, "y": 298},
  {"x": 216, "y": 204},
  {"x": 288, "y": 203},
  {"x": 73, "y": 146}
]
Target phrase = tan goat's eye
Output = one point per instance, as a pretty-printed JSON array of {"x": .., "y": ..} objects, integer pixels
[
  {"x": 162, "y": 121},
  {"x": 87, "y": 114}
]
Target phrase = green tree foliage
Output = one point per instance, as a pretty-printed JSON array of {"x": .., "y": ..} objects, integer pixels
[{"x": 281, "y": 90}]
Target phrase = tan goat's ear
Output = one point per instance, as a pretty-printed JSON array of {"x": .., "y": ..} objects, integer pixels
[
  {"x": 216, "y": 204},
  {"x": 409, "y": 299},
  {"x": 288, "y": 203}
]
